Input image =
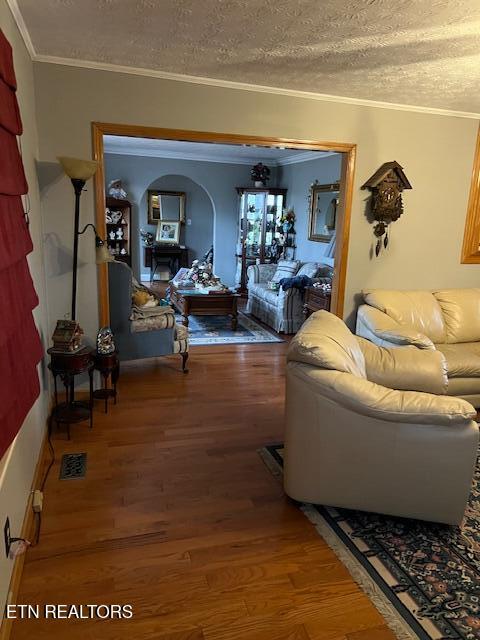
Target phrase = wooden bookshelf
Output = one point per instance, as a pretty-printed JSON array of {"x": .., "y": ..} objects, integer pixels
[{"x": 120, "y": 245}]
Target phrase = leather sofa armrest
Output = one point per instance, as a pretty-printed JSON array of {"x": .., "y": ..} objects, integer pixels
[
  {"x": 367, "y": 398},
  {"x": 405, "y": 368},
  {"x": 384, "y": 331},
  {"x": 260, "y": 273}
]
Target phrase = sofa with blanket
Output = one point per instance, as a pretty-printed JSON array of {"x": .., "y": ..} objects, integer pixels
[
  {"x": 447, "y": 320},
  {"x": 282, "y": 309},
  {"x": 142, "y": 332},
  {"x": 367, "y": 429}
]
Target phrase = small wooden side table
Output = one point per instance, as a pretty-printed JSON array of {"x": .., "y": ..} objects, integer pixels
[
  {"x": 316, "y": 299},
  {"x": 67, "y": 365},
  {"x": 108, "y": 365}
]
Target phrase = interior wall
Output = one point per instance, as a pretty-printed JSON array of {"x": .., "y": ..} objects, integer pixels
[
  {"x": 436, "y": 152},
  {"x": 197, "y": 233},
  {"x": 217, "y": 179},
  {"x": 17, "y": 466},
  {"x": 297, "y": 178}
]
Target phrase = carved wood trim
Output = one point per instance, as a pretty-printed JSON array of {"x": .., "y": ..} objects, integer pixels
[
  {"x": 471, "y": 238},
  {"x": 99, "y": 129}
]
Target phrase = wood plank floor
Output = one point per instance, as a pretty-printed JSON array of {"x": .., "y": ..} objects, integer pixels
[{"x": 179, "y": 517}]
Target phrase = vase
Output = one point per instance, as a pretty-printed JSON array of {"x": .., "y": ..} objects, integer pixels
[{"x": 258, "y": 183}]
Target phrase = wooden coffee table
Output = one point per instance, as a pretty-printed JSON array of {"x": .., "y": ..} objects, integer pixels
[{"x": 190, "y": 302}]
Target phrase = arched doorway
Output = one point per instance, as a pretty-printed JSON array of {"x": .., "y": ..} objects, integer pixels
[{"x": 197, "y": 232}]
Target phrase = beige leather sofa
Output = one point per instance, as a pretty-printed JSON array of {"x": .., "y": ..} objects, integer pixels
[
  {"x": 446, "y": 320},
  {"x": 354, "y": 441}
]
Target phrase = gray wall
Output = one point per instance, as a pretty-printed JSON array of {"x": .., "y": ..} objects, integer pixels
[
  {"x": 297, "y": 178},
  {"x": 215, "y": 180},
  {"x": 197, "y": 236},
  {"x": 425, "y": 247}
]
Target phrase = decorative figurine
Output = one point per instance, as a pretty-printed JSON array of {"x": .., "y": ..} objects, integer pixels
[
  {"x": 147, "y": 238},
  {"x": 116, "y": 190},
  {"x": 386, "y": 206},
  {"x": 117, "y": 217},
  {"x": 112, "y": 235},
  {"x": 123, "y": 252},
  {"x": 105, "y": 343},
  {"x": 67, "y": 336}
]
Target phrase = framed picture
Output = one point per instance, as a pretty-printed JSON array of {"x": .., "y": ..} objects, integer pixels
[
  {"x": 168, "y": 232},
  {"x": 166, "y": 205}
]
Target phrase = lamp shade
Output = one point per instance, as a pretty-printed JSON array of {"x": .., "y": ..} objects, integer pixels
[
  {"x": 78, "y": 169},
  {"x": 102, "y": 254}
]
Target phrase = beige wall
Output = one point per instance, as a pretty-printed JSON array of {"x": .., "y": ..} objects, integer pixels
[
  {"x": 18, "y": 464},
  {"x": 436, "y": 152}
]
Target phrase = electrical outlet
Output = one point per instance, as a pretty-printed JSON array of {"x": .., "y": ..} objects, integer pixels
[{"x": 7, "y": 537}]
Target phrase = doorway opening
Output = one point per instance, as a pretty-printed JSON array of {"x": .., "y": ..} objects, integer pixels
[{"x": 246, "y": 222}]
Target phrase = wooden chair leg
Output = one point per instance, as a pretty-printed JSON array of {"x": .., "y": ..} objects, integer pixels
[{"x": 184, "y": 362}]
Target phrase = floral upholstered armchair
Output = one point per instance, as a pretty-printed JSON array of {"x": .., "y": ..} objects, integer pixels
[{"x": 141, "y": 335}]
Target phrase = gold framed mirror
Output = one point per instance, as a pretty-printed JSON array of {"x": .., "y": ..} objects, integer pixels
[
  {"x": 323, "y": 205},
  {"x": 166, "y": 206}
]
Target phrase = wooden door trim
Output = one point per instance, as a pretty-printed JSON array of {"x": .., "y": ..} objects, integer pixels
[
  {"x": 99, "y": 129},
  {"x": 471, "y": 238}
]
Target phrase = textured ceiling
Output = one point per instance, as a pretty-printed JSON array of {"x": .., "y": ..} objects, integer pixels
[{"x": 416, "y": 52}]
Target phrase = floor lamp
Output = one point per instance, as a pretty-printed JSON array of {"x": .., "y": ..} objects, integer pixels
[
  {"x": 79, "y": 171},
  {"x": 68, "y": 363}
]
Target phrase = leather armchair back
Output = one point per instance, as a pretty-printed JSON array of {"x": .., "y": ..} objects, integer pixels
[
  {"x": 325, "y": 341},
  {"x": 461, "y": 313}
]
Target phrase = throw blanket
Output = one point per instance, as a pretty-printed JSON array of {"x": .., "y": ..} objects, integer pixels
[{"x": 297, "y": 282}]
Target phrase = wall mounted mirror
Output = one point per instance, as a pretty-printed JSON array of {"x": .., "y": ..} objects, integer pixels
[
  {"x": 323, "y": 204},
  {"x": 166, "y": 205}
]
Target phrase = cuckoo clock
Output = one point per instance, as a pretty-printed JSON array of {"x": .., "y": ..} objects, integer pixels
[{"x": 386, "y": 206}]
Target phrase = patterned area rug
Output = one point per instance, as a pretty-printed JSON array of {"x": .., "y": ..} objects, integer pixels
[
  {"x": 424, "y": 578},
  {"x": 204, "y": 330}
]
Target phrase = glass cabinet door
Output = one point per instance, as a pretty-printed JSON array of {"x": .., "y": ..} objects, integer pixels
[
  {"x": 274, "y": 208},
  {"x": 260, "y": 235},
  {"x": 253, "y": 222}
]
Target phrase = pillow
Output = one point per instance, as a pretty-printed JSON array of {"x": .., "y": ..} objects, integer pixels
[
  {"x": 140, "y": 297},
  {"x": 285, "y": 269},
  {"x": 309, "y": 269}
]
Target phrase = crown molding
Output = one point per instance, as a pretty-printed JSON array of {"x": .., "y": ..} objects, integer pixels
[
  {"x": 121, "y": 150},
  {"x": 22, "y": 27},
  {"x": 225, "y": 84},
  {"x": 305, "y": 156},
  {"x": 243, "y": 86},
  {"x": 142, "y": 151}
]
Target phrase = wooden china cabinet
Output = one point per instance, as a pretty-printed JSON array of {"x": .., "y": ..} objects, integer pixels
[{"x": 260, "y": 210}]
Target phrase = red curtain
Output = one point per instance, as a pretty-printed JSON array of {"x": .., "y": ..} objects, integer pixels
[{"x": 20, "y": 346}]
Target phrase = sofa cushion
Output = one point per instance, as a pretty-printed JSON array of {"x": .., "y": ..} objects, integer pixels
[
  {"x": 262, "y": 291},
  {"x": 153, "y": 323},
  {"x": 463, "y": 359},
  {"x": 325, "y": 341},
  {"x": 461, "y": 313},
  {"x": 417, "y": 310},
  {"x": 285, "y": 269}
]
